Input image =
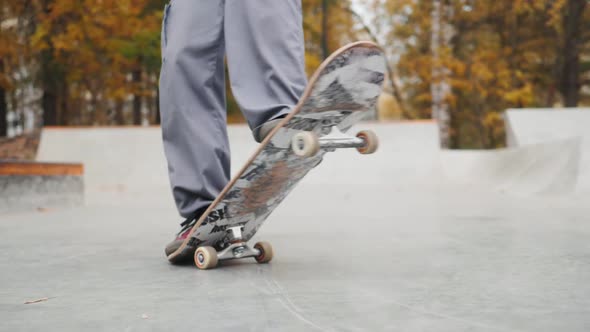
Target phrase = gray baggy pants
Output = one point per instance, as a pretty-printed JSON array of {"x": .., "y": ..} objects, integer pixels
[{"x": 263, "y": 42}]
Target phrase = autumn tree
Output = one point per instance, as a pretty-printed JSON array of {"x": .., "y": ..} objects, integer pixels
[
  {"x": 101, "y": 51},
  {"x": 493, "y": 55},
  {"x": 328, "y": 25},
  {"x": 96, "y": 56},
  {"x": 7, "y": 50},
  {"x": 572, "y": 24},
  {"x": 16, "y": 62},
  {"x": 141, "y": 48},
  {"x": 97, "y": 62}
]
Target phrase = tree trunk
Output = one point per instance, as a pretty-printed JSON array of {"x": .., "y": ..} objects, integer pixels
[
  {"x": 49, "y": 105},
  {"x": 395, "y": 90},
  {"x": 439, "y": 87},
  {"x": 119, "y": 117},
  {"x": 572, "y": 43},
  {"x": 3, "y": 113},
  {"x": 64, "y": 116},
  {"x": 48, "y": 78},
  {"x": 325, "y": 50},
  {"x": 136, "y": 79},
  {"x": 3, "y": 107}
]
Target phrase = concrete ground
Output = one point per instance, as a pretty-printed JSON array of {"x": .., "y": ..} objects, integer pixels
[{"x": 374, "y": 243}]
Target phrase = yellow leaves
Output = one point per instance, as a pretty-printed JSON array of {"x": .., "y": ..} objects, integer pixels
[
  {"x": 14, "y": 50},
  {"x": 57, "y": 9},
  {"x": 98, "y": 43},
  {"x": 555, "y": 16},
  {"x": 312, "y": 62},
  {"x": 525, "y": 6},
  {"x": 460, "y": 83},
  {"x": 458, "y": 68},
  {"x": 493, "y": 55},
  {"x": 521, "y": 97},
  {"x": 388, "y": 107},
  {"x": 492, "y": 119},
  {"x": 482, "y": 72},
  {"x": 119, "y": 93},
  {"x": 494, "y": 125},
  {"x": 423, "y": 98},
  {"x": 340, "y": 23},
  {"x": 38, "y": 39}
]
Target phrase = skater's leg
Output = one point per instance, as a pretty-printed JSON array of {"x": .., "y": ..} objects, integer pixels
[
  {"x": 266, "y": 57},
  {"x": 192, "y": 102}
]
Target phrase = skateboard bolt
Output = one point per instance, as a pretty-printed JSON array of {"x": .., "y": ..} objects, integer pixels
[{"x": 238, "y": 252}]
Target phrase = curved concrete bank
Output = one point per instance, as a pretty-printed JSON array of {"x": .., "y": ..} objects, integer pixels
[
  {"x": 525, "y": 127},
  {"x": 549, "y": 168},
  {"x": 30, "y": 185}
]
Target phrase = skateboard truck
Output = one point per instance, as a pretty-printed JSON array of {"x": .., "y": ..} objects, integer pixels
[
  {"x": 308, "y": 144},
  {"x": 238, "y": 248},
  {"x": 207, "y": 257}
]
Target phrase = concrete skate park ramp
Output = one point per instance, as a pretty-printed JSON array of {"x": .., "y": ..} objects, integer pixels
[
  {"x": 119, "y": 162},
  {"x": 29, "y": 185},
  {"x": 128, "y": 163},
  {"x": 545, "y": 168},
  {"x": 124, "y": 165},
  {"x": 548, "y": 154},
  {"x": 526, "y": 127}
]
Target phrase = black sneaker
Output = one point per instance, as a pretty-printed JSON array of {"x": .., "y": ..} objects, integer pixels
[{"x": 185, "y": 230}]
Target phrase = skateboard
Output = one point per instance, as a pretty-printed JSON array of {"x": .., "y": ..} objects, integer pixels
[{"x": 342, "y": 91}]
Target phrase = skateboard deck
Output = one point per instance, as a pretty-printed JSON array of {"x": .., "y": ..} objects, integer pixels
[{"x": 342, "y": 91}]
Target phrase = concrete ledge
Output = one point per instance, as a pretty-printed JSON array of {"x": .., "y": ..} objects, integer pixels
[
  {"x": 33, "y": 168},
  {"x": 28, "y": 185}
]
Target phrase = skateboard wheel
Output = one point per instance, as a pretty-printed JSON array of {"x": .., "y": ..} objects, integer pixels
[
  {"x": 371, "y": 141},
  {"x": 266, "y": 252},
  {"x": 206, "y": 258},
  {"x": 305, "y": 144}
]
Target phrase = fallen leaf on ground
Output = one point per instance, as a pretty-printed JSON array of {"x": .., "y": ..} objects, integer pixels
[{"x": 37, "y": 300}]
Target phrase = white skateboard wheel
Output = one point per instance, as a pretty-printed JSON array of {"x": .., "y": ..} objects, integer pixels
[
  {"x": 206, "y": 258},
  {"x": 305, "y": 144},
  {"x": 266, "y": 252},
  {"x": 371, "y": 141}
]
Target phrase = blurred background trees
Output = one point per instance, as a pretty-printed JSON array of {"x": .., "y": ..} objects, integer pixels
[
  {"x": 492, "y": 55},
  {"x": 84, "y": 62}
]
